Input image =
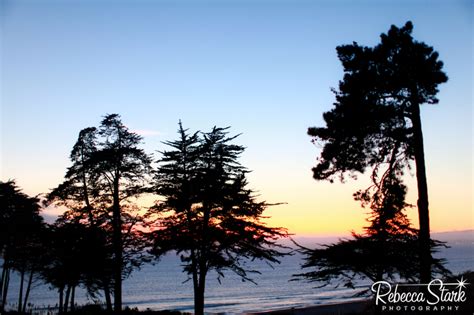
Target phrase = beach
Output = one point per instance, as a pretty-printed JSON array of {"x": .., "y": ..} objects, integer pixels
[{"x": 353, "y": 307}]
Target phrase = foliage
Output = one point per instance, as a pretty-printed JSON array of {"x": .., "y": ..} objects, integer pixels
[
  {"x": 376, "y": 117},
  {"x": 366, "y": 257},
  {"x": 77, "y": 255},
  {"x": 20, "y": 231},
  {"x": 80, "y": 192},
  {"x": 208, "y": 215},
  {"x": 109, "y": 171},
  {"x": 375, "y": 103},
  {"x": 387, "y": 250}
]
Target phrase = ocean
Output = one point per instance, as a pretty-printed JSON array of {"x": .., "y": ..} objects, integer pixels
[{"x": 162, "y": 286}]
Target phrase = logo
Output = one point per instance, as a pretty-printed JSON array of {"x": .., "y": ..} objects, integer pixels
[{"x": 434, "y": 296}]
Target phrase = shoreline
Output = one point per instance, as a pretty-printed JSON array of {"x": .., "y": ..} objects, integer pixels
[{"x": 352, "y": 307}]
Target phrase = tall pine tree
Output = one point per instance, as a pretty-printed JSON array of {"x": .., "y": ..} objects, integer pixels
[
  {"x": 208, "y": 214},
  {"x": 377, "y": 109}
]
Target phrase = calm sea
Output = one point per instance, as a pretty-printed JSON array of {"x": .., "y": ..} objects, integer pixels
[{"x": 162, "y": 286}]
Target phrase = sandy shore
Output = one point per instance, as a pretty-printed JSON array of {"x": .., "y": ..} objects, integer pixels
[{"x": 356, "y": 307}]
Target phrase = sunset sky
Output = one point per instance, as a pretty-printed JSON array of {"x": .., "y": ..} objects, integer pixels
[{"x": 263, "y": 67}]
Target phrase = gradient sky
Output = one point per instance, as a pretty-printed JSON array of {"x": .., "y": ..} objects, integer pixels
[{"x": 263, "y": 67}]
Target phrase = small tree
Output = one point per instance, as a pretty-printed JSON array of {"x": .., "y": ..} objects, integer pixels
[
  {"x": 377, "y": 109},
  {"x": 208, "y": 215},
  {"x": 76, "y": 254}
]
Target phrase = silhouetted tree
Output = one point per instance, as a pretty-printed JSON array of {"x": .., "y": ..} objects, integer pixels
[
  {"x": 108, "y": 171},
  {"x": 81, "y": 193},
  {"x": 208, "y": 215},
  {"x": 20, "y": 227},
  {"x": 123, "y": 168},
  {"x": 377, "y": 109},
  {"x": 388, "y": 248}
]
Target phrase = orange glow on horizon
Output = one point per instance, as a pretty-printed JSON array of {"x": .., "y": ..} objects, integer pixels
[{"x": 318, "y": 208}]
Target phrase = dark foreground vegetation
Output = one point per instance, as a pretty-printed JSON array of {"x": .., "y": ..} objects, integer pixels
[{"x": 204, "y": 211}]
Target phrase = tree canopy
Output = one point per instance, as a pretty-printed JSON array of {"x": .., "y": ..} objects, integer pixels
[
  {"x": 109, "y": 170},
  {"x": 208, "y": 214},
  {"x": 376, "y": 121},
  {"x": 381, "y": 90}
]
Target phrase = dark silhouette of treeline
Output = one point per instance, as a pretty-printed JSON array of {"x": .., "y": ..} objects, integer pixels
[{"x": 204, "y": 209}]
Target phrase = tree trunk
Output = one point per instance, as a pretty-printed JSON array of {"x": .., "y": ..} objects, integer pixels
[
  {"x": 2, "y": 285},
  {"x": 28, "y": 289},
  {"x": 201, "y": 268},
  {"x": 199, "y": 293},
  {"x": 423, "y": 211},
  {"x": 73, "y": 293},
  {"x": 117, "y": 240},
  {"x": 108, "y": 300},
  {"x": 6, "y": 282},
  {"x": 20, "y": 293},
  {"x": 199, "y": 300},
  {"x": 66, "y": 300},
  {"x": 194, "y": 265},
  {"x": 86, "y": 190},
  {"x": 61, "y": 297}
]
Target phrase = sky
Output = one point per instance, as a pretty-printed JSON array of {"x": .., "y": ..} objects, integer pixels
[{"x": 265, "y": 68}]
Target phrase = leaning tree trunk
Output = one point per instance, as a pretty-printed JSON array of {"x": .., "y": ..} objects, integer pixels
[
  {"x": 5, "y": 284},
  {"x": 423, "y": 211},
  {"x": 66, "y": 300},
  {"x": 108, "y": 300},
  {"x": 73, "y": 298},
  {"x": 28, "y": 289}
]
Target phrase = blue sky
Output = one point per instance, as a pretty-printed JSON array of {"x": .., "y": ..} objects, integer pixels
[{"x": 263, "y": 67}]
